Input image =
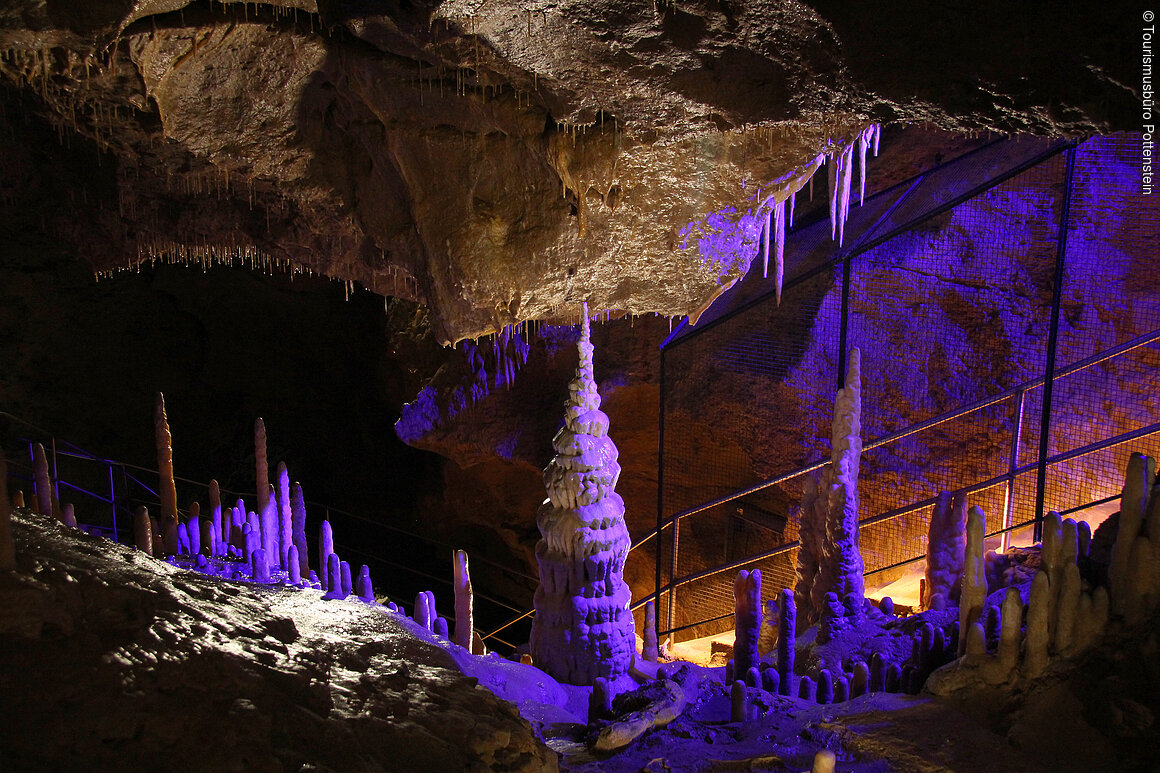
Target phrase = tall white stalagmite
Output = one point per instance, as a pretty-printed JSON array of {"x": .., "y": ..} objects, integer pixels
[
  {"x": 583, "y": 628},
  {"x": 974, "y": 584},
  {"x": 42, "y": 478},
  {"x": 285, "y": 528},
  {"x": 841, "y": 566}
]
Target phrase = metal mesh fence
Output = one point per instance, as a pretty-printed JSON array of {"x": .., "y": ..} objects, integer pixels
[{"x": 947, "y": 287}]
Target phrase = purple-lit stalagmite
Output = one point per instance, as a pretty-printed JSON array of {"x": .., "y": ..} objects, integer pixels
[{"x": 583, "y": 628}]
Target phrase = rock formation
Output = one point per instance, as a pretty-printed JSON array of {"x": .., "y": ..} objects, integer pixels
[
  {"x": 747, "y": 620},
  {"x": 167, "y": 489},
  {"x": 945, "y": 546},
  {"x": 583, "y": 628}
]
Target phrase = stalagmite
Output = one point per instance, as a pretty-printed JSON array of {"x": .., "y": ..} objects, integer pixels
[
  {"x": 43, "y": 483},
  {"x": 293, "y": 566},
  {"x": 1090, "y": 618},
  {"x": 1140, "y": 584},
  {"x": 841, "y": 688},
  {"x": 423, "y": 614},
  {"x": 811, "y": 533},
  {"x": 193, "y": 528},
  {"x": 333, "y": 578},
  {"x": 344, "y": 576},
  {"x": 364, "y": 588},
  {"x": 860, "y": 684},
  {"x": 787, "y": 625},
  {"x": 1066, "y": 609},
  {"x": 840, "y": 568},
  {"x": 824, "y": 762},
  {"x": 221, "y": 530},
  {"x": 285, "y": 515},
  {"x": 268, "y": 523},
  {"x": 325, "y": 551},
  {"x": 974, "y": 645},
  {"x": 1083, "y": 539},
  {"x": 298, "y": 527},
  {"x": 260, "y": 566},
  {"x": 68, "y": 516},
  {"x": 945, "y": 547},
  {"x": 583, "y": 627},
  {"x": 7, "y": 546},
  {"x": 170, "y": 544},
  {"x": 974, "y": 582},
  {"x": 261, "y": 466},
  {"x": 747, "y": 619},
  {"x": 1038, "y": 614},
  {"x": 739, "y": 703},
  {"x": 649, "y": 652},
  {"x": 143, "y": 531},
  {"x": 252, "y": 540},
  {"x": 208, "y": 543},
  {"x": 825, "y": 693},
  {"x": 464, "y": 600},
  {"x": 183, "y": 545},
  {"x": 167, "y": 489},
  {"x": 1137, "y": 483},
  {"x": 18, "y": 498},
  {"x": 806, "y": 688}
]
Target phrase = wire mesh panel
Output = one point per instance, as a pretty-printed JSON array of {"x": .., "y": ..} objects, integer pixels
[{"x": 953, "y": 318}]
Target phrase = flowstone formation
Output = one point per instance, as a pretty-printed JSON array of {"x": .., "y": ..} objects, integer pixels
[{"x": 583, "y": 628}]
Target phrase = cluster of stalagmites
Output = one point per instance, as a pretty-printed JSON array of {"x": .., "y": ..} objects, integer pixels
[
  {"x": 267, "y": 545},
  {"x": 583, "y": 629}
]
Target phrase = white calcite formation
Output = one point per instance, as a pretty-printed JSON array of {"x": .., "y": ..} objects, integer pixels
[
  {"x": 583, "y": 628},
  {"x": 830, "y": 561},
  {"x": 945, "y": 547}
]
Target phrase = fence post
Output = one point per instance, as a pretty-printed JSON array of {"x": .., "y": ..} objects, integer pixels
[
  {"x": 1009, "y": 505},
  {"x": 1052, "y": 341}
]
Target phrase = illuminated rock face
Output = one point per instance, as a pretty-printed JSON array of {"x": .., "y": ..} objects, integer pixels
[{"x": 583, "y": 629}]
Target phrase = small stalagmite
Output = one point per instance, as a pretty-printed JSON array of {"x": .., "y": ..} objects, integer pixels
[
  {"x": 649, "y": 651},
  {"x": 193, "y": 529},
  {"x": 167, "y": 489},
  {"x": 143, "y": 530},
  {"x": 787, "y": 624},
  {"x": 1036, "y": 639},
  {"x": 1138, "y": 480},
  {"x": 68, "y": 516},
  {"x": 364, "y": 588},
  {"x": 583, "y": 628}
]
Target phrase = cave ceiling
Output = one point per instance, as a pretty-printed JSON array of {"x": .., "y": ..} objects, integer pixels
[{"x": 501, "y": 161}]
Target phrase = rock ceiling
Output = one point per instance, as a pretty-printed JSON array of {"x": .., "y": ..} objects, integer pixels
[{"x": 504, "y": 161}]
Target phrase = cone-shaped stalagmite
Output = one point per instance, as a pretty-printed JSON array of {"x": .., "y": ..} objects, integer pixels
[
  {"x": 68, "y": 516},
  {"x": 261, "y": 466},
  {"x": 747, "y": 620},
  {"x": 787, "y": 624},
  {"x": 7, "y": 546},
  {"x": 583, "y": 628},
  {"x": 43, "y": 480},
  {"x": 167, "y": 489},
  {"x": 464, "y": 600},
  {"x": 363, "y": 587}
]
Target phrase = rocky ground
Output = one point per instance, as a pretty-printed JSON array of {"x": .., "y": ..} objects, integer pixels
[{"x": 110, "y": 658}]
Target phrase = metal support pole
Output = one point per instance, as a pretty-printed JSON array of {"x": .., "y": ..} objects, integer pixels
[
  {"x": 660, "y": 492},
  {"x": 1052, "y": 340},
  {"x": 1009, "y": 508}
]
